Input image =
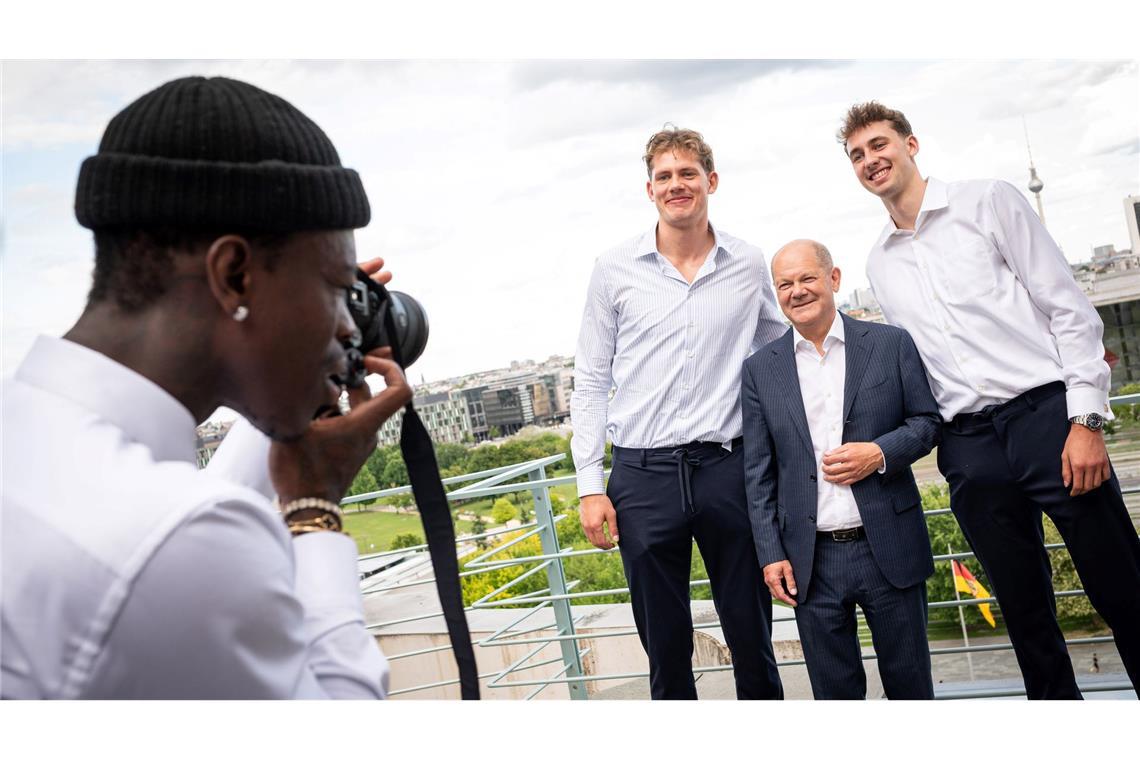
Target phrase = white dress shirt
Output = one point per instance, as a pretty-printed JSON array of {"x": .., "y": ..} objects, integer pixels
[
  {"x": 128, "y": 573},
  {"x": 990, "y": 300},
  {"x": 822, "y": 381},
  {"x": 671, "y": 350}
]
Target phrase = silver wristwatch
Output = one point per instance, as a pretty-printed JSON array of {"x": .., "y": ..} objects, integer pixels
[{"x": 1092, "y": 421}]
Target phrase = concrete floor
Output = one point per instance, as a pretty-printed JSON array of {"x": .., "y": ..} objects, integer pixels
[{"x": 991, "y": 670}]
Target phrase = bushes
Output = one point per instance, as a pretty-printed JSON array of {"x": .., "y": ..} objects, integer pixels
[
  {"x": 944, "y": 530},
  {"x": 598, "y": 572}
]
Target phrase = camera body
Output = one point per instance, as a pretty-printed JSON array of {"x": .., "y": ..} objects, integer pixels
[{"x": 382, "y": 318}]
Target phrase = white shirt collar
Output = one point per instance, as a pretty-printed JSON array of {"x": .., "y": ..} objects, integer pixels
[
  {"x": 933, "y": 198},
  {"x": 121, "y": 396},
  {"x": 834, "y": 333},
  {"x": 648, "y": 243}
]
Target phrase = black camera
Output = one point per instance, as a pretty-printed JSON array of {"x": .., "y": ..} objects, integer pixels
[{"x": 383, "y": 318}]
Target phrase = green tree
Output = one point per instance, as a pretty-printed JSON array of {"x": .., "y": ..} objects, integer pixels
[
  {"x": 450, "y": 455},
  {"x": 484, "y": 457},
  {"x": 568, "y": 462},
  {"x": 395, "y": 473},
  {"x": 399, "y": 500},
  {"x": 376, "y": 462},
  {"x": 364, "y": 482},
  {"x": 479, "y": 532},
  {"x": 503, "y": 511},
  {"x": 494, "y": 432},
  {"x": 406, "y": 540}
]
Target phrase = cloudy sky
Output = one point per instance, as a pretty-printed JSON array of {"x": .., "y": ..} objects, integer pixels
[{"x": 495, "y": 185}]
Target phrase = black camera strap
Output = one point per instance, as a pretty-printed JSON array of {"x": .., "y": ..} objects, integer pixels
[
  {"x": 431, "y": 500},
  {"x": 415, "y": 444}
]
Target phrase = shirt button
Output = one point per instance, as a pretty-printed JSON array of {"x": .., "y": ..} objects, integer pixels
[
  {"x": 685, "y": 386},
  {"x": 690, "y": 354}
]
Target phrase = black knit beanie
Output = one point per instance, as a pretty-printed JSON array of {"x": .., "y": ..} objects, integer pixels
[{"x": 216, "y": 154}]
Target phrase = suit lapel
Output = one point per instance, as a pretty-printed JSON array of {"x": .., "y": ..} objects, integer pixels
[
  {"x": 858, "y": 350},
  {"x": 786, "y": 366}
]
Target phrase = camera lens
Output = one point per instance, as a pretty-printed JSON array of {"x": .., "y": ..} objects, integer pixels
[
  {"x": 370, "y": 305},
  {"x": 410, "y": 324}
]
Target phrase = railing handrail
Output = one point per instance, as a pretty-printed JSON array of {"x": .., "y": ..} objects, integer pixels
[{"x": 552, "y": 561}]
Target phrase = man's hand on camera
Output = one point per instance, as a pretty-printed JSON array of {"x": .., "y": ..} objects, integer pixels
[
  {"x": 323, "y": 462},
  {"x": 595, "y": 511},
  {"x": 374, "y": 268}
]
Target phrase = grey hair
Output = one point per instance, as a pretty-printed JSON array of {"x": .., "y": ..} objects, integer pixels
[{"x": 822, "y": 255}]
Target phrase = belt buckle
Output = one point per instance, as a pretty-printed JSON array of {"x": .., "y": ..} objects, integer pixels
[{"x": 845, "y": 535}]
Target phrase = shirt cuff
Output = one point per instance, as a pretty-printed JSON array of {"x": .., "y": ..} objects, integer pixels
[
  {"x": 882, "y": 468},
  {"x": 1085, "y": 400},
  {"x": 591, "y": 482},
  {"x": 328, "y": 581}
]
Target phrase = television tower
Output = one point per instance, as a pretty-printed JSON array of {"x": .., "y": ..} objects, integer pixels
[{"x": 1035, "y": 183}]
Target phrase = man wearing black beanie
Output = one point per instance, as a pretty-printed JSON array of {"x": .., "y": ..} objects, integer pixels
[{"x": 223, "y": 228}]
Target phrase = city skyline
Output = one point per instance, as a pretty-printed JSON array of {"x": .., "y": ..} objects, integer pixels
[{"x": 498, "y": 183}]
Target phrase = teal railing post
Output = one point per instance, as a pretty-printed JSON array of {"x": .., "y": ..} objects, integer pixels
[{"x": 556, "y": 576}]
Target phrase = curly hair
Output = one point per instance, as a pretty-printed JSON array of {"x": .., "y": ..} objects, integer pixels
[
  {"x": 862, "y": 114},
  {"x": 673, "y": 138}
]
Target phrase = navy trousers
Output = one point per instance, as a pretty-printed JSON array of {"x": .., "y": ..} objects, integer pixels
[
  {"x": 1004, "y": 470},
  {"x": 845, "y": 574},
  {"x": 665, "y": 498}
]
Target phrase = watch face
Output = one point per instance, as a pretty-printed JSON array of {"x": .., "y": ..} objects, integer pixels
[{"x": 1095, "y": 421}]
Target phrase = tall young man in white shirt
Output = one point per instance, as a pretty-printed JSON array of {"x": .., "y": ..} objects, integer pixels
[
  {"x": 1014, "y": 354},
  {"x": 669, "y": 317},
  {"x": 223, "y": 225}
]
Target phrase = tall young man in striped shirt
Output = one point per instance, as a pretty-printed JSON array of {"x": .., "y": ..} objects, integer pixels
[{"x": 670, "y": 317}]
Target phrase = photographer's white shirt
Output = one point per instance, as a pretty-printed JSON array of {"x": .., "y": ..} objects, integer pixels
[{"x": 129, "y": 573}]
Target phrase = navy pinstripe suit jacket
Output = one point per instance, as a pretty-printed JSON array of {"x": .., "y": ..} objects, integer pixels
[{"x": 886, "y": 399}]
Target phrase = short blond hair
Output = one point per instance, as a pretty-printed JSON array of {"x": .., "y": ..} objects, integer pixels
[{"x": 674, "y": 139}]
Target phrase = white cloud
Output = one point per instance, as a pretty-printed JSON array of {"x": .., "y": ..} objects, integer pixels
[{"x": 495, "y": 185}]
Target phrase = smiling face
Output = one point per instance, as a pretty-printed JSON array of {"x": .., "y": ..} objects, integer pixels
[
  {"x": 680, "y": 188},
  {"x": 883, "y": 160},
  {"x": 805, "y": 288},
  {"x": 298, "y": 320}
]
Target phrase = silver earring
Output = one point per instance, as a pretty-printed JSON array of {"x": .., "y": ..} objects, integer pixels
[{"x": 240, "y": 313}]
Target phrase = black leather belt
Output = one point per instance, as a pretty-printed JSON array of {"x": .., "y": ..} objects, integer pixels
[
  {"x": 843, "y": 535},
  {"x": 967, "y": 421}
]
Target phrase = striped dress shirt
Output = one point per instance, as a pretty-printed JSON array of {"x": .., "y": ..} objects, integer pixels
[{"x": 670, "y": 350}]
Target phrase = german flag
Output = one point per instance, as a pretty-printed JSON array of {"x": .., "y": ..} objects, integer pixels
[{"x": 965, "y": 582}]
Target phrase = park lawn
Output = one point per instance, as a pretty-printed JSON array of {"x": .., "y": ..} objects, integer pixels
[{"x": 374, "y": 531}]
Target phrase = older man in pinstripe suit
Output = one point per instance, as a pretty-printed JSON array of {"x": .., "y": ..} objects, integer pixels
[
  {"x": 835, "y": 412},
  {"x": 669, "y": 316}
]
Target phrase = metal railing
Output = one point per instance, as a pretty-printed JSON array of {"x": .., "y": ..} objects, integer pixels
[{"x": 559, "y": 592}]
